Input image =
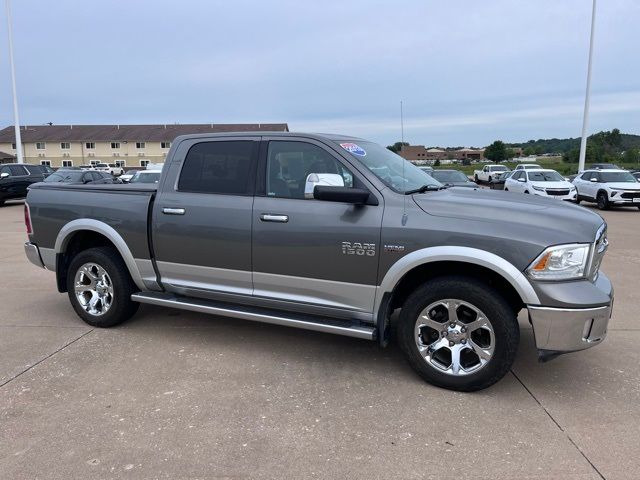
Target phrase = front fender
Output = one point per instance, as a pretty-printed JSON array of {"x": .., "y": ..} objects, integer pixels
[{"x": 455, "y": 254}]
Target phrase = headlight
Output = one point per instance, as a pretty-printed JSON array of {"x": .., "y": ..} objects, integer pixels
[
  {"x": 540, "y": 189},
  {"x": 563, "y": 262},
  {"x": 573, "y": 189}
]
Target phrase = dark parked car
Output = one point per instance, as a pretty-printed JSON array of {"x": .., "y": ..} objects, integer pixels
[
  {"x": 604, "y": 166},
  {"x": 453, "y": 178},
  {"x": 79, "y": 177},
  {"x": 15, "y": 178},
  {"x": 498, "y": 182}
]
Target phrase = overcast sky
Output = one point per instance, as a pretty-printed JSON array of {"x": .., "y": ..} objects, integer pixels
[{"x": 468, "y": 72}]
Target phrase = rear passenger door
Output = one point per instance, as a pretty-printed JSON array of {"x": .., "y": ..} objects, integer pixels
[
  {"x": 202, "y": 217},
  {"x": 305, "y": 251}
]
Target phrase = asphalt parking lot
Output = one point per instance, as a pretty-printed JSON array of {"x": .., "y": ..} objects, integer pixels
[{"x": 174, "y": 394}]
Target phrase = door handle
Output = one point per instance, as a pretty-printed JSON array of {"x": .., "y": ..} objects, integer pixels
[
  {"x": 173, "y": 211},
  {"x": 271, "y": 217}
]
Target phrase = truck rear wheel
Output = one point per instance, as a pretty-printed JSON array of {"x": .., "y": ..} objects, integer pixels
[
  {"x": 100, "y": 287},
  {"x": 458, "y": 333}
]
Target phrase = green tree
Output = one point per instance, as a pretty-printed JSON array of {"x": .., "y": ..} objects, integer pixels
[
  {"x": 497, "y": 151},
  {"x": 632, "y": 155},
  {"x": 396, "y": 147}
]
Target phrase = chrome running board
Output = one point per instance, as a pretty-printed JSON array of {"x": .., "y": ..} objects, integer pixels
[{"x": 275, "y": 317}]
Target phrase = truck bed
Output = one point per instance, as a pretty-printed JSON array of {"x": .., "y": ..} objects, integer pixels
[{"x": 125, "y": 208}]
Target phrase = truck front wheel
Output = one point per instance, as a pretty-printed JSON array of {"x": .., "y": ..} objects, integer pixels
[
  {"x": 458, "y": 333},
  {"x": 100, "y": 287}
]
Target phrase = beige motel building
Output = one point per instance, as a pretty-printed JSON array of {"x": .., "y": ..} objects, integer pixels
[
  {"x": 422, "y": 154},
  {"x": 123, "y": 145}
]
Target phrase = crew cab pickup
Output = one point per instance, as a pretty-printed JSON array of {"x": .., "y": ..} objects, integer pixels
[
  {"x": 488, "y": 173},
  {"x": 333, "y": 234}
]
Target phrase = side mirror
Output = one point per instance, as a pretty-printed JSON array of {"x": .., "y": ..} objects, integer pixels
[
  {"x": 521, "y": 180},
  {"x": 321, "y": 179},
  {"x": 594, "y": 179},
  {"x": 357, "y": 196},
  {"x": 4, "y": 175}
]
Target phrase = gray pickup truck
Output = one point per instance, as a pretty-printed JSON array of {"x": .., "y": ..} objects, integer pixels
[{"x": 333, "y": 234}]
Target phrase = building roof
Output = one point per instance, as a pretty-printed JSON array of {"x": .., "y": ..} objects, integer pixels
[
  {"x": 133, "y": 133},
  {"x": 435, "y": 150}
]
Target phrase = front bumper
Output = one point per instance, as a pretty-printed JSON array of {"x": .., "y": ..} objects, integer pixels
[
  {"x": 33, "y": 254},
  {"x": 571, "y": 196},
  {"x": 563, "y": 330}
]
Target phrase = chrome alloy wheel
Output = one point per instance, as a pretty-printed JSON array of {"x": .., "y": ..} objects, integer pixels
[
  {"x": 454, "y": 337},
  {"x": 93, "y": 289}
]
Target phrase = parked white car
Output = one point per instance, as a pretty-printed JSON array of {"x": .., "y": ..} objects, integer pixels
[
  {"x": 488, "y": 173},
  {"x": 541, "y": 182},
  {"x": 128, "y": 175},
  {"x": 111, "y": 168},
  {"x": 608, "y": 187},
  {"x": 528, "y": 166}
]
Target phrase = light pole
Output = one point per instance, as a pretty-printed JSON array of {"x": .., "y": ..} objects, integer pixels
[
  {"x": 585, "y": 118},
  {"x": 16, "y": 119}
]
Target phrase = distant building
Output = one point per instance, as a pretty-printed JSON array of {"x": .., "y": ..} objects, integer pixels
[
  {"x": 125, "y": 145},
  {"x": 420, "y": 153}
]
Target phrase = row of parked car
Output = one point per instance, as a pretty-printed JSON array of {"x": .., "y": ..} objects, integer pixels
[
  {"x": 604, "y": 184},
  {"x": 15, "y": 178}
]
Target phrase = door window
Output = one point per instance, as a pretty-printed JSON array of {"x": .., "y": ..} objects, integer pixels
[
  {"x": 5, "y": 169},
  {"x": 219, "y": 167},
  {"x": 17, "y": 170},
  {"x": 289, "y": 164}
]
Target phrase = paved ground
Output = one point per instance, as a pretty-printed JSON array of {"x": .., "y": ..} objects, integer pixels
[{"x": 173, "y": 394}]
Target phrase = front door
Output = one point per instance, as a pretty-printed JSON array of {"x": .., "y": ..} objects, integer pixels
[
  {"x": 202, "y": 218},
  {"x": 308, "y": 251}
]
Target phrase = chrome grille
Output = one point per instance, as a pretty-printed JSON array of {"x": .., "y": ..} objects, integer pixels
[{"x": 599, "y": 248}]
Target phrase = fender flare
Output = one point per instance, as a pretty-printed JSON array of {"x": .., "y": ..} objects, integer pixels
[
  {"x": 456, "y": 254},
  {"x": 65, "y": 234}
]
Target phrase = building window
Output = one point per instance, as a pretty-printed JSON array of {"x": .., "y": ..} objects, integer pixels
[
  {"x": 46, "y": 163},
  {"x": 121, "y": 163},
  {"x": 140, "y": 145},
  {"x": 40, "y": 145},
  {"x": 90, "y": 145},
  {"x": 115, "y": 145},
  {"x": 165, "y": 144},
  {"x": 67, "y": 163},
  {"x": 13, "y": 146},
  {"x": 65, "y": 145},
  {"x": 144, "y": 163}
]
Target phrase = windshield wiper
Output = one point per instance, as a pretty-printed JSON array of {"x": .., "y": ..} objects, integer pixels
[{"x": 425, "y": 188}]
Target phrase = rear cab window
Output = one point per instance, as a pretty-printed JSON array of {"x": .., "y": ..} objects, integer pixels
[{"x": 220, "y": 167}]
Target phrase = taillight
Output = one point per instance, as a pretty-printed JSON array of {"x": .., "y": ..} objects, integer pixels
[{"x": 27, "y": 219}]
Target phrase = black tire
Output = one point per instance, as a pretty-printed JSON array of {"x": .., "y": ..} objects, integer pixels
[
  {"x": 527, "y": 192},
  {"x": 506, "y": 189},
  {"x": 578, "y": 200},
  {"x": 475, "y": 176},
  {"x": 121, "y": 307},
  {"x": 489, "y": 179},
  {"x": 602, "y": 201},
  {"x": 501, "y": 316}
]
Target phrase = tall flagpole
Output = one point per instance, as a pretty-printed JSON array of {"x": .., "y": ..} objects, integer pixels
[
  {"x": 585, "y": 118},
  {"x": 16, "y": 119}
]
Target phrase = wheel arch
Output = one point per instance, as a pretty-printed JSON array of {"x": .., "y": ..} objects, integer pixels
[
  {"x": 431, "y": 262},
  {"x": 81, "y": 234}
]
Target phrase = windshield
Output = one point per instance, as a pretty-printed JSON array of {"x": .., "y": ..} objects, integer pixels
[
  {"x": 545, "y": 177},
  {"x": 617, "y": 177},
  {"x": 66, "y": 176},
  {"x": 531, "y": 167},
  {"x": 499, "y": 168},
  {"x": 393, "y": 170},
  {"x": 146, "y": 177},
  {"x": 448, "y": 176}
]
